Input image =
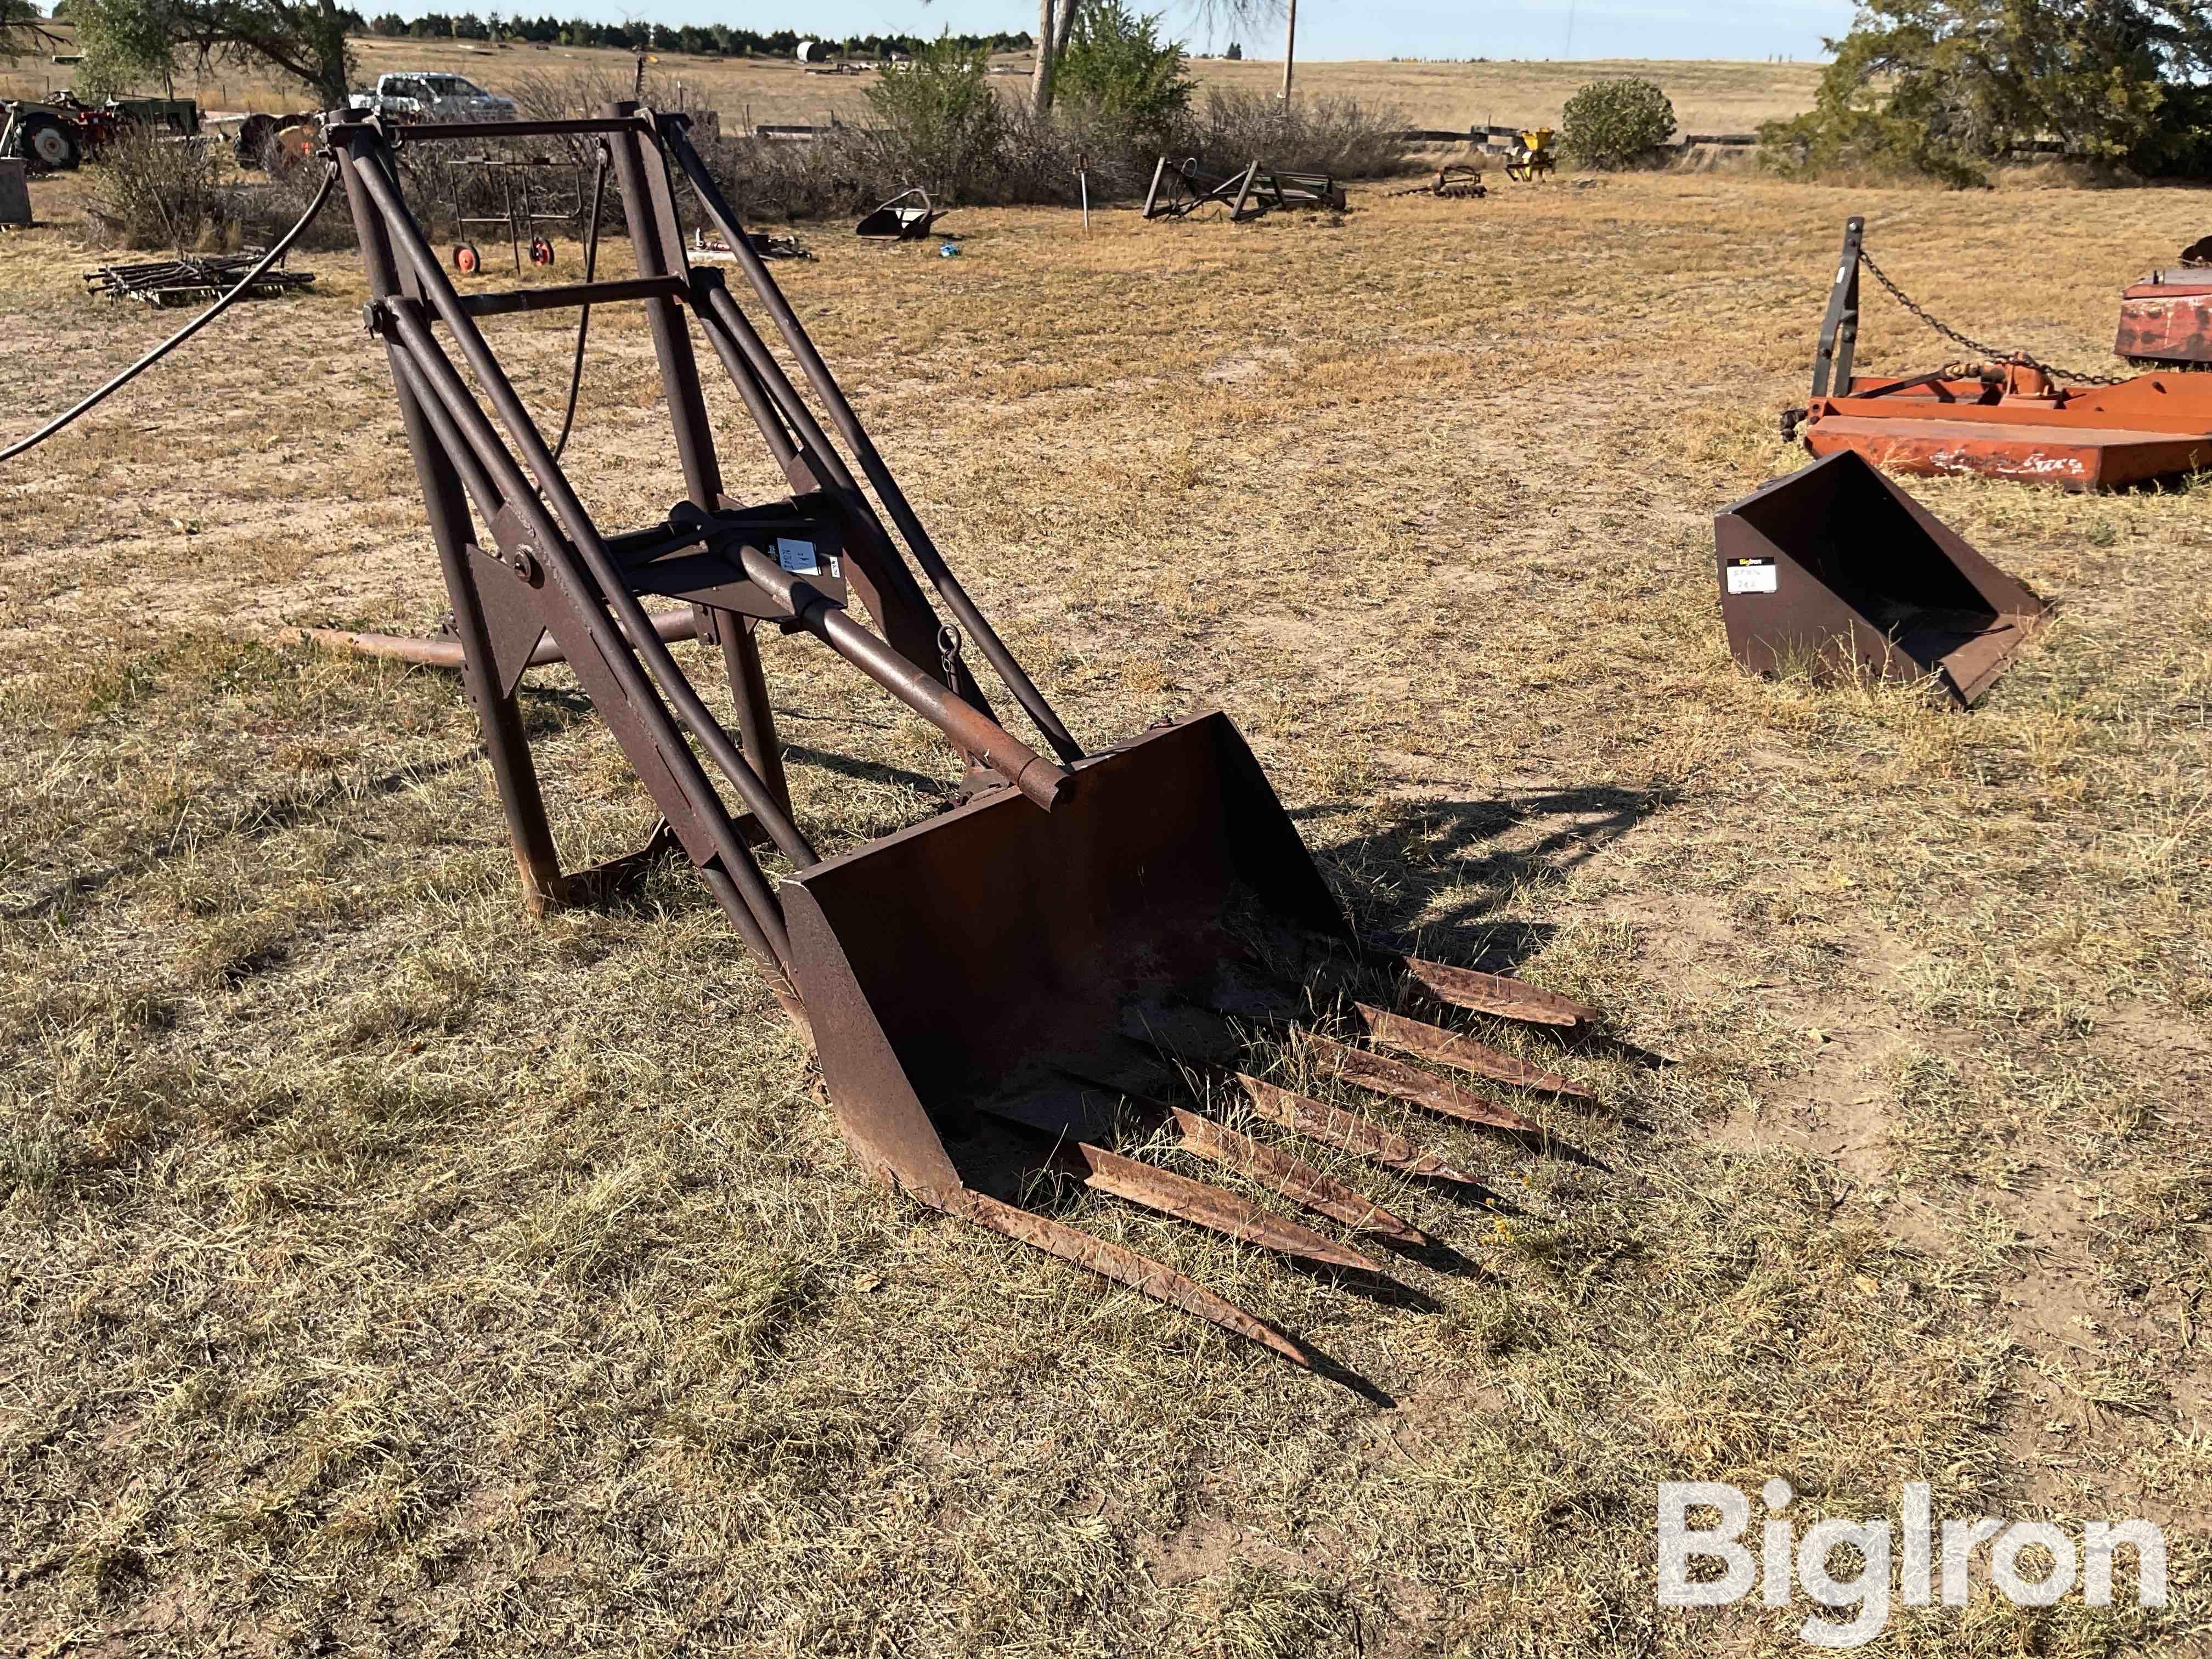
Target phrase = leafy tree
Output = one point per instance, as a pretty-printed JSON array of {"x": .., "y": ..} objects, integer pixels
[
  {"x": 21, "y": 29},
  {"x": 1946, "y": 88},
  {"x": 1611, "y": 124},
  {"x": 941, "y": 116},
  {"x": 1116, "y": 63},
  {"x": 129, "y": 40}
]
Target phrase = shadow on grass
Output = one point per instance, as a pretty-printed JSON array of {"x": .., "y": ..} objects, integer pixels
[
  {"x": 258, "y": 822},
  {"x": 864, "y": 771},
  {"x": 1481, "y": 850}
]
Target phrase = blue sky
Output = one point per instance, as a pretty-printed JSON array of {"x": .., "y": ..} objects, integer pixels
[{"x": 1326, "y": 29}]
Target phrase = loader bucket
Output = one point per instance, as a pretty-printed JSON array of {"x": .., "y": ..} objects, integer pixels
[
  {"x": 1836, "y": 568},
  {"x": 906, "y": 217},
  {"x": 997, "y": 951}
]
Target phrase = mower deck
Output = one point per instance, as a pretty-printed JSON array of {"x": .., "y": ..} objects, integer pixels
[
  {"x": 2022, "y": 427},
  {"x": 2009, "y": 418}
]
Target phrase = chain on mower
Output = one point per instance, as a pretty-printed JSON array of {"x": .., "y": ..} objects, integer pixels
[{"x": 1972, "y": 344}]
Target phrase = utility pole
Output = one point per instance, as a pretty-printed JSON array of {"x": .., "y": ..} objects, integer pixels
[{"x": 1290, "y": 44}]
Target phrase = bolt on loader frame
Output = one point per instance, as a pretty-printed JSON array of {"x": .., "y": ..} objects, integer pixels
[{"x": 990, "y": 992}]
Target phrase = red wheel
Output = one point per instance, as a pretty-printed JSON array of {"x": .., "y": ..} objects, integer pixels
[
  {"x": 541, "y": 251},
  {"x": 466, "y": 259}
]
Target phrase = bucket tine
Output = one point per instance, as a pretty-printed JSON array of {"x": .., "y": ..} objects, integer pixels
[
  {"x": 1125, "y": 1266},
  {"x": 1495, "y": 993},
  {"x": 1347, "y": 1131},
  {"x": 1416, "y": 1037},
  {"x": 1409, "y": 1083},
  {"x": 1291, "y": 1177},
  {"x": 1204, "y": 1206}
]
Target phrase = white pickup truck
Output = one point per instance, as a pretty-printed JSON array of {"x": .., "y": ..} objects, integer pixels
[{"x": 427, "y": 95}]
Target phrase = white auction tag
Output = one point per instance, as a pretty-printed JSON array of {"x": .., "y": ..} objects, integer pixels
[{"x": 1752, "y": 575}]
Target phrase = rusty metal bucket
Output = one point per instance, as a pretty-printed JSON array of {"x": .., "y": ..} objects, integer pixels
[
  {"x": 1836, "y": 569},
  {"x": 996, "y": 952}
]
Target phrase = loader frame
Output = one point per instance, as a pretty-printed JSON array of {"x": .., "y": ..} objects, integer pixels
[
  {"x": 1002, "y": 975},
  {"x": 548, "y": 568}
]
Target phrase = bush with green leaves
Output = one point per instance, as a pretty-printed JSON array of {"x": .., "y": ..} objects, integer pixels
[
  {"x": 938, "y": 121},
  {"x": 1948, "y": 89},
  {"x": 1117, "y": 67},
  {"x": 1615, "y": 124}
]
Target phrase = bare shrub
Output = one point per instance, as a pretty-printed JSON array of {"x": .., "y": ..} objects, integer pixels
[
  {"x": 1341, "y": 136},
  {"x": 145, "y": 191},
  {"x": 264, "y": 208},
  {"x": 941, "y": 126},
  {"x": 835, "y": 175}
]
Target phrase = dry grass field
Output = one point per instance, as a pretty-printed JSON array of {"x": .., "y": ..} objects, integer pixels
[
  {"x": 1708, "y": 96},
  {"x": 384, "y": 1272}
]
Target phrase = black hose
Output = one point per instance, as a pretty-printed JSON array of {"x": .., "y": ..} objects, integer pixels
[
  {"x": 221, "y": 305},
  {"x": 584, "y": 316}
]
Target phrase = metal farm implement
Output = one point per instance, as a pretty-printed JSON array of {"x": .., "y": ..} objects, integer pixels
[
  {"x": 518, "y": 184},
  {"x": 1457, "y": 180},
  {"x": 1179, "y": 188},
  {"x": 2007, "y": 416},
  {"x": 994, "y": 994},
  {"x": 194, "y": 279}
]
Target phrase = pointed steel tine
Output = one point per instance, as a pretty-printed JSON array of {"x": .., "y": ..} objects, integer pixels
[
  {"x": 1204, "y": 1206},
  {"x": 1293, "y": 1177},
  {"x": 1125, "y": 1266},
  {"x": 1393, "y": 1077},
  {"x": 1495, "y": 993},
  {"x": 1417, "y": 1036},
  {"x": 1318, "y": 1120}
]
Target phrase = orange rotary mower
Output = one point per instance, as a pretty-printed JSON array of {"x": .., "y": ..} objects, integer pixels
[{"x": 2007, "y": 417}]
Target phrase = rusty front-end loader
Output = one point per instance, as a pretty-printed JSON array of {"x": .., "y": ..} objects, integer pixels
[{"x": 1002, "y": 989}]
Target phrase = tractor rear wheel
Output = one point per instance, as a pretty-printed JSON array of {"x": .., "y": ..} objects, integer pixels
[
  {"x": 252, "y": 146},
  {"x": 49, "y": 143}
]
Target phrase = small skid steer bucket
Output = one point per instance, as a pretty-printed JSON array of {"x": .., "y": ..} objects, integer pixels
[
  {"x": 1836, "y": 568},
  {"x": 1000, "y": 992}
]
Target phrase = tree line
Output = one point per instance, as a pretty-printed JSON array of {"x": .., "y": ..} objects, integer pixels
[
  {"x": 698, "y": 39},
  {"x": 694, "y": 39},
  {"x": 1952, "y": 89}
]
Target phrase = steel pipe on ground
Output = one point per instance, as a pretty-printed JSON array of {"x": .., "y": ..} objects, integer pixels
[{"x": 670, "y": 625}]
